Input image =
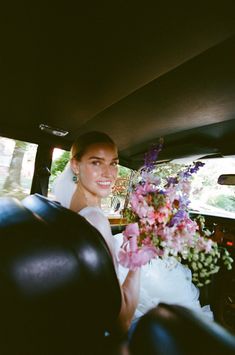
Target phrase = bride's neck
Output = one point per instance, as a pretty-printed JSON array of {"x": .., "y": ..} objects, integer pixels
[{"x": 82, "y": 199}]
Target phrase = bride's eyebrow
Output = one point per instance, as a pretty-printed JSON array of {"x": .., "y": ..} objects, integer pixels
[{"x": 99, "y": 158}]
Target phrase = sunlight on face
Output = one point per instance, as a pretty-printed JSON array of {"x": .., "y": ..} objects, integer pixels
[{"x": 98, "y": 169}]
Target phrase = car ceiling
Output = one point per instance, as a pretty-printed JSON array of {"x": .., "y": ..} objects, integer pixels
[{"x": 136, "y": 70}]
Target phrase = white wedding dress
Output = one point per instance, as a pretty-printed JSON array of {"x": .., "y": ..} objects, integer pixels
[{"x": 165, "y": 281}]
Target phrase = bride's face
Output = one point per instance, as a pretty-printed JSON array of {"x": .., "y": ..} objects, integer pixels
[{"x": 97, "y": 169}]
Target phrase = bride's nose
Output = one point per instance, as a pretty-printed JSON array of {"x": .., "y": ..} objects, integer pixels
[{"x": 107, "y": 171}]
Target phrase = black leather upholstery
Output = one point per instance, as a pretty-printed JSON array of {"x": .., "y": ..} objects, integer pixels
[
  {"x": 58, "y": 287},
  {"x": 59, "y": 292},
  {"x": 176, "y": 330}
]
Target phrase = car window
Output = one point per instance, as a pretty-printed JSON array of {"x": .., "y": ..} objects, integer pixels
[
  {"x": 60, "y": 158},
  {"x": 17, "y": 160},
  {"x": 206, "y": 195}
]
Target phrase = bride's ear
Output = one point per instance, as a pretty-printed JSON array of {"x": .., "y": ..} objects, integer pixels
[{"x": 74, "y": 166}]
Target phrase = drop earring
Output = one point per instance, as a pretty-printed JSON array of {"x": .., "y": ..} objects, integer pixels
[{"x": 76, "y": 177}]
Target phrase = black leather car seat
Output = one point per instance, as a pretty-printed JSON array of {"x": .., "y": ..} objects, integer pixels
[
  {"x": 58, "y": 287},
  {"x": 59, "y": 292},
  {"x": 176, "y": 330}
]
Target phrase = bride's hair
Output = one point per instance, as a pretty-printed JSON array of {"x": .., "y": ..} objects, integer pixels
[
  {"x": 64, "y": 186},
  {"x": 83, "y": 142}
]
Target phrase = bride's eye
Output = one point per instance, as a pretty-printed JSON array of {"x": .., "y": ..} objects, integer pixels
[
  {"x": 114, "y": 163},
  {"x": 95, "y": 162}
]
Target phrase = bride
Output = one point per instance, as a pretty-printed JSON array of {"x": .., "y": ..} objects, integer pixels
[{"x": 89, "y": 177}]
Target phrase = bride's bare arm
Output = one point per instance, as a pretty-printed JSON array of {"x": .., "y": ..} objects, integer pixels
[{"x": 130, "y": 296}]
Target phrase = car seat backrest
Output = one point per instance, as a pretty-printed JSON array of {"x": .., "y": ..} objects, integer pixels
[
  {"x": 59, "y": 289},
  {"x": 177, "y": 330}
]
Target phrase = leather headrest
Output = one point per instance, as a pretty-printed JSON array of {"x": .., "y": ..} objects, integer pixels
[{"x": 57, "y": 279}]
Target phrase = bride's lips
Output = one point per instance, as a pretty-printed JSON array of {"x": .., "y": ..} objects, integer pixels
[{"x": 104, "y": 184}]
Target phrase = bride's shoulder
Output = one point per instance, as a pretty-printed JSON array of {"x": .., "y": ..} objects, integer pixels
[
  {"x": 93, "y": 212},
  {"x": 97, "y": 218}
]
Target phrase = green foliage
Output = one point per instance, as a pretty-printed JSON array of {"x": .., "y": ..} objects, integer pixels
[
  {"x": 129, "y": 215},
  {"x": 59, "y": 164},
  {"x": 22, "y": 145},
  {"x": 124, "y": 172}
]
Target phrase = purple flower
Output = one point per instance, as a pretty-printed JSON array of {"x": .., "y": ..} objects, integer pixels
[
  {"x": 192, "y": 169},
  {"x": 151, "y": 156},
  {"x": 171, "y": 181},
  {"x": 184, "y": 201},
  {"x": 178, "y": 217}
]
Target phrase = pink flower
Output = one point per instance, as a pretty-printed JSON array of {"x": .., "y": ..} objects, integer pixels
[
  {"x": 139, "y": 257},
  {"x": 133, "y": 243},
  {"x": 134, "y": 202},
  {"x": 125, "y": 259},
  {"x": 142, "y": 211},
  {"x": 205, "y": 244},
  {"x": 146, "y": 253},
  {"x": 163, "y": 226},
  {"x": 132, "y": 230},
  {"x": 149, "y": 217},
  {"x": 209, "y": 245}
]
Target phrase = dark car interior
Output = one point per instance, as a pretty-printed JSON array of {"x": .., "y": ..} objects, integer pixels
[{"x": 138, "y": 71}]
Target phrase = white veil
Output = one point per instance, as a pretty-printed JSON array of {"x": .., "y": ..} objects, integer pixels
[{"x": 64, "y": 186}]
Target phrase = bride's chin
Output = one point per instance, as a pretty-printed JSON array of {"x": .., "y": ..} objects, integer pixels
[{"x": 104, "y": 194}]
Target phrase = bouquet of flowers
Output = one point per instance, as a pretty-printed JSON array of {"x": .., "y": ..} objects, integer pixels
[{"x": 159, "y": 225}]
